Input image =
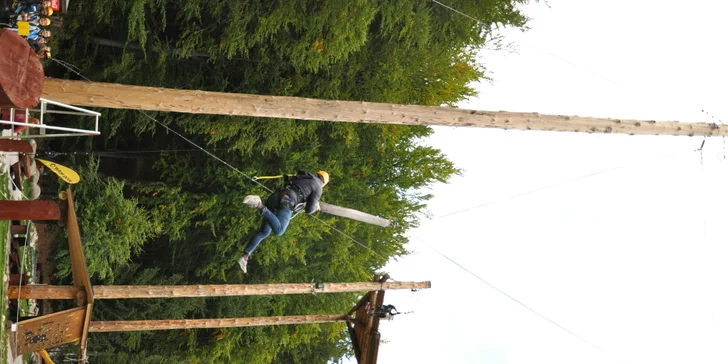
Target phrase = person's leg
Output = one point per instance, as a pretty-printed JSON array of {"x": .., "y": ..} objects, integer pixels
[
  {"x": 261, "y": 234},
  {"x": 279, "y": 221},
  {"x": 284, "y": 217}
]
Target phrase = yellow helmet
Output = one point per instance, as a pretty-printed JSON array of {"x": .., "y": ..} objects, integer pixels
[
  {"x": 324, "y": 176},
  {"x": 49, "y": 11}
]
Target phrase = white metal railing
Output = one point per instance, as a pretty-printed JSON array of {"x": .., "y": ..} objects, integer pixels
[{"x": 44, "y": 127}]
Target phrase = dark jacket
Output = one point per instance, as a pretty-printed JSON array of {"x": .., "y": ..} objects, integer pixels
[{"x": 308, "y": 188}]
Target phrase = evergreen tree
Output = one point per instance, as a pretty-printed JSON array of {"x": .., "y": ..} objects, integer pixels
[{"x": 182, "y": 217}]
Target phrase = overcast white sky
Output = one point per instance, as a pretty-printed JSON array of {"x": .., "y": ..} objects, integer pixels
[{"x": 632, "y": 258}]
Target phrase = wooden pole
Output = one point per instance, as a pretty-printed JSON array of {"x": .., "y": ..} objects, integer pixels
[
  {"x": 144, "y": 325},
  {"x": 353, "y": 214},
  {"x": 118, "y": 96},
  {"x": 29, "y": 210},
  {"x": 220, "y": 290}
]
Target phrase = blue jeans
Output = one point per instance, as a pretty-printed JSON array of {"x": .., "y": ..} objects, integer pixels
[{"x": 277, "y": 223}]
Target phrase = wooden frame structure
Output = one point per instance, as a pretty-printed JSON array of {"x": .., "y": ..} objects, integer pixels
[
  {"x": 364, "y": 327},
  {"x": 70, "y": 326}
]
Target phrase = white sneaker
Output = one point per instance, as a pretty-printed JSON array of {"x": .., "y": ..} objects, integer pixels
[
  {"x": 252, "y": 201},
  {"x": 243, "y": 263}
]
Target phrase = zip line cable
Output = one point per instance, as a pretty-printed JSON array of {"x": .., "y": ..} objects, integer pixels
[
  {"x": 515, "y": 299},
  {"x": 64, "y": 64},
  {"x": 204, "y": 150},
  {"x": 525, "y": 193},
  {"x": 457, "y": 11},
  {"x": 254, "y": 180},
  {"x": 550, "y": 186},
  {"x": 351, "y": 238},
  {"x": 76, "y": 71}
]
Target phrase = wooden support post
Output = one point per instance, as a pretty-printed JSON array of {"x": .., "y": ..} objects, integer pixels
[
  {"x": 215, "y": 290},
  {"x": 79, "y": 271},
  {"x": 94, "y": 94},
  {"x": 111, "y": 326},
  {"x": 29, "y": 210}
]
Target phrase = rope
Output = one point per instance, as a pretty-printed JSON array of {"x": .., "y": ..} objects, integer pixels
[
  {"x": 21, "y": 261},
  {"x": 514, "y": 299}
]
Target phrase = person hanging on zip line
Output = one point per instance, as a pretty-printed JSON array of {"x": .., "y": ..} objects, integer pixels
[{"x": 302, "y": 188}]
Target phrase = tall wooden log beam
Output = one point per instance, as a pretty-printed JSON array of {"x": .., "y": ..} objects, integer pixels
[
  {"x": 145, "y": 325},
  {"x": 219, "y": 290},
  {"x": 108, "y": 95}
]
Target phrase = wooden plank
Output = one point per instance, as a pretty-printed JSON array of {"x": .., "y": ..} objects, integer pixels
[
  {"x": 96, "y": 94},
  {"x": 29, "y": 210},
  {"x": 374, "y": 349},
  {"x": 354, "y": 340},
  {"x": 379, "y": 303},
  {"x": 362, "y": 302},
  {"x": 364, "y": 339},
  {"x": 78, "y": 261},
  {"x": 210, "y": 290},
  {"x": 361, "y": 314},
  {"x": 373, "y": 334},
  {"x": 20, "y": 146},
  {"x": 49, "y": 331},
  {"x": 42, "y": 292},
  {"x": 146, "y": 325}
]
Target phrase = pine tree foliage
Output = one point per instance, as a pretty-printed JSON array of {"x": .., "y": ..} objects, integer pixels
[{"x": 179, "y": 217}]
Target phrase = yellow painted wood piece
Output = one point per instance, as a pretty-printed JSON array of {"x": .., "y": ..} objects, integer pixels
[
  {"x": 23, "y": 28},
  {"x": 68, "y": 175},
  {"x": 46, "y": 358}
]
